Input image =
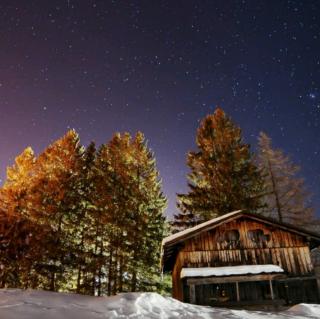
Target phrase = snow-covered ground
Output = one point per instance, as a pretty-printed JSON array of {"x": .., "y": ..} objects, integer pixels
[{"x": 31, "y": 304}]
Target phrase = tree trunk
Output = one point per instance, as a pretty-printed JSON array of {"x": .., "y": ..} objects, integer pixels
[
  {"x": 79, "y": 267},
  {"x": 110, "y": 273},
  {"x": 134, "y": 281},
  {"x": 275, "y": 192},
  {"x": 52, "y": 281},
  {"x": 120, "y": 279},
  {"x": 115, "y": 276},
  {"x": 79, "y": 279}
]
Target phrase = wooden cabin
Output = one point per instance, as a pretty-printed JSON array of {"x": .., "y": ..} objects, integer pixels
[{"x": 242, "y": 259}]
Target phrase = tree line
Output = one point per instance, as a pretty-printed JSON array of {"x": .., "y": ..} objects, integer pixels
[
  {"x": 83, "y": 220},
  {"x": 90, "y": 220},
  {"x": 226, "y": 176}
]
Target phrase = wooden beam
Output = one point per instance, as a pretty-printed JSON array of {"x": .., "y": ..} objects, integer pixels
[
  {"x": 229, "y": 279},
  {"x": 296, "y": 278}
]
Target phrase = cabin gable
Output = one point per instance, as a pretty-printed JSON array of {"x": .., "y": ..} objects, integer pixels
[
  {"x": 244, "y": 233},
  {"x": 247, "y": 242}
]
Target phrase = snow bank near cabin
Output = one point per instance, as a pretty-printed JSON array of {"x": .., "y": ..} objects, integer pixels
[{"x": 32, "y": 304}]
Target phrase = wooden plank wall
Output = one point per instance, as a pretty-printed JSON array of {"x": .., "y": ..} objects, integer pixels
[
  {"x": 211, "y": 240},
  {"x": 288, "y": 250},
  {"x": 177, "y": 288}
]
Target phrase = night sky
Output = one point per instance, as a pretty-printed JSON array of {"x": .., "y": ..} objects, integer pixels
[{"x": 159, "y": 67}]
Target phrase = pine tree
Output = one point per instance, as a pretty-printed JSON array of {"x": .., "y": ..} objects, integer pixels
[
  {"x": 285, "y": 195},
  {"x": 150, "y": 222},
  {"x": 19, "y": 237},
  {"x": 54, "y": 205},
  {"x": 183, "y": 220},
  {"x": 82, "y": 194},
  {"x": 111, "y": 214},
  {"x": 131, "y": 205},
  {"x": 223, "y": 176}
]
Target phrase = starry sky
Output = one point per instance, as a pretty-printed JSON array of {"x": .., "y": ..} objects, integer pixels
[{"x": 159, "y": 67}]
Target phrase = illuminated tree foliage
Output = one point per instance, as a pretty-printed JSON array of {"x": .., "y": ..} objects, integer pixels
[
  {"x": 285, "y": 195},
  {"x": 132, "y": 207},
  {"x": 19, "y": 236},
  {"x": 223, "y": 176},
  {"x": 76, "y": 219}
]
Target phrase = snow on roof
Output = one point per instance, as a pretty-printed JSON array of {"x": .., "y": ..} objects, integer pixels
[
  {"x": 229, "y": 270},
  {"x": 198, "y": 227}
]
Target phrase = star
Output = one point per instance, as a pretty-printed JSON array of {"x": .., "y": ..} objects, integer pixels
[
  {"x": 312, "y": 96},
  {"x": 111, "y": 65}
]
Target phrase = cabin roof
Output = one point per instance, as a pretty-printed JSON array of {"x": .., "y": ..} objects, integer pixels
[
  {"x": 197, "y": 229},
  {"x": 172, "y": 243}
]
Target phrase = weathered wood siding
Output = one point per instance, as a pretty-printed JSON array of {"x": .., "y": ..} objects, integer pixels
[
  {"x": 211, "y": 249},
  {"x": 177, "y": 288}
]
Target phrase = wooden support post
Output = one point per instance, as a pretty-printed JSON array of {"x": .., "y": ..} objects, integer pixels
[
  {"x": 237, "y": 290},
  {"x": 303, "y": 291},
  {"x": 192, "y": 292},
  {"x": 286, "y": 286},
  {"x": 271, "y": 289},
  {"x": 318, "y": 283}
]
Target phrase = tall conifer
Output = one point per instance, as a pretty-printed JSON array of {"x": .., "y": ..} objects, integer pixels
[
  {"x": 54, "y": 204},
  {"x": 20, "y": 238},
  {"x": 285, "y": 194},
  {"x": 223, "y": 176},
  {"x": 150, "y": 223}
]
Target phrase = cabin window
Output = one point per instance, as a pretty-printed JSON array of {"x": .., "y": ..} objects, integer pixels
[
  {"x": 258, "y": 237},
  {"x": 232, "y": 238}
]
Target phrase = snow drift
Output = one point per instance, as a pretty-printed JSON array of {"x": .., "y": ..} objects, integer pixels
[{"x": 32, "y": 304}]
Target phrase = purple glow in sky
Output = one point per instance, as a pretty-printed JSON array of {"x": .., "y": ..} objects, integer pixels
[{"x": 159, "y": 67}]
